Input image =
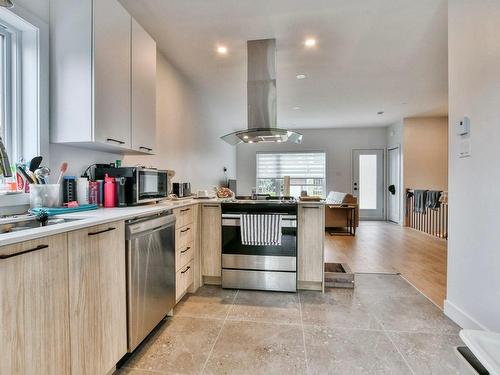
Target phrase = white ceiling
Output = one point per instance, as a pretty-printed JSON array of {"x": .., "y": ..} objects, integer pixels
[{"x": 372, "y": 55}]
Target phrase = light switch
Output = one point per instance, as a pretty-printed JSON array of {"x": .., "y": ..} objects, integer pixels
[
  {"x": 464, "y": 149},
  {"x": 464, "y": 126}
]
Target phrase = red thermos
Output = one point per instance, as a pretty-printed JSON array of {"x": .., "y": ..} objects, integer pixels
[{"x": 109, "y": 192}]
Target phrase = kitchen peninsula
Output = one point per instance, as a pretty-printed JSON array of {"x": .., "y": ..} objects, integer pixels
[{"x": 81, "y": 262}]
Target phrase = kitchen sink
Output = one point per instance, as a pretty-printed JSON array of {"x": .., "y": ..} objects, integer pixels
[{"x": 19, "y": 223}]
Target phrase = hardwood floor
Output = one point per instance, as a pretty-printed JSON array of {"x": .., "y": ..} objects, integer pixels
[{"x": 386, "y": 247}]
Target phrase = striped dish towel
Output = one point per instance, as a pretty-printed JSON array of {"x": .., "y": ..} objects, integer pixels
[{"x": 260, "y": 229}]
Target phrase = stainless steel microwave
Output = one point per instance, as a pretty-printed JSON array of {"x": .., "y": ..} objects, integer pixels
[{"x": 142, "y": 185}]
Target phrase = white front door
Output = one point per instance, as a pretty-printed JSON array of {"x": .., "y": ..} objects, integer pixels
[
  {"x": 368, "y": 183},
  {"x": 394, "y": 184}
]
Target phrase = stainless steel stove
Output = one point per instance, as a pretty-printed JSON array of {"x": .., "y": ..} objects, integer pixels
[{"x": 261, "y": 267}]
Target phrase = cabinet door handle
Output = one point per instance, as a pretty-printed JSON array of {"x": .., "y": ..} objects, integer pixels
[
  {"x": 211, "y": 205},
  {"x": 101, "y": 231},
  {"x": 145, "y": 148},
  {"x": 186, "y": 210},
  {"x": 39, "y": 247},
  {"x": 115, "y": 140},
  {"x": 187, "y": 248},
  {"x": 185, "y": 230},
  {"x": 187, "y": 269}
]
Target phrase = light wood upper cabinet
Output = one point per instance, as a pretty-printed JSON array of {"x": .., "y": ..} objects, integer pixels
[
  {"x": 34, "y": 324},
  {"x": 311, "y": 237},
  {"x": 102, "y": 77},
  {"x": 143, "y": 90},
  {"x": 211, "y": 228},
  {"x": 97, "y": 298},
  {"x": 112, "y": 51}
]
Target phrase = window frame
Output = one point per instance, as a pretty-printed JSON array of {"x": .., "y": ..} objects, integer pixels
[
  {"x": 11, "y": 99},
  {"x": 278, "y": 185},
  {"x": 28, "y": 119}
]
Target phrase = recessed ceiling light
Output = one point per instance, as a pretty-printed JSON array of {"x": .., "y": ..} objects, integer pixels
[
  {"x": 250, "y": 141},
  {"x": 245, "y": 137},
  {"x": 222, "y": 50},
  {"x": 380, "y": 112},
  {"x": 296, "y": 108},
  {"x": 300, "y": 76},
  {"x": 279, "y": 140},
  {"x": 310, "y": 42}
]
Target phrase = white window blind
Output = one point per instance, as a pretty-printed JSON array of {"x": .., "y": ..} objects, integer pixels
[
  {"x": 307, "y": 171},
  {"x": 300, "y": 165}
]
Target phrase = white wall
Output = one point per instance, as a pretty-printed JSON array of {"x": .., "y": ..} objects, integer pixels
[
  {"x": 187, "y": 137},
  {"x": 473, "y": 298},
  {"x": 39, "y": 8},
  {"x": 338, "y": 144}
]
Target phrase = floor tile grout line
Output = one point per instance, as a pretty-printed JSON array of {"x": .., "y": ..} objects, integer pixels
[
  {"x": 303, "y": 334},
  {"x": 399, "y": 351},
  {"x": 220, "y": 331},
  {"x": 393, "y": 343}
]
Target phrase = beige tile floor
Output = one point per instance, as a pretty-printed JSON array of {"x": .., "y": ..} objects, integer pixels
[{"x": 384, "y": 326}]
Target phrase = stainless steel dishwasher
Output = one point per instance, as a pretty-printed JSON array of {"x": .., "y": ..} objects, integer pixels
[{"x": 150, "y": 247}]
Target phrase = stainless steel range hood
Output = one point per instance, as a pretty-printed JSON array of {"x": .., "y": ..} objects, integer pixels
[{"x": 261, "y": 97}]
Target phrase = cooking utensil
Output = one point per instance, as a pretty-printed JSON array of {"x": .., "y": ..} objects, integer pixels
[
  {"x": 42, "y": 174},
  {"x": 35, "y": 163},
  {"x": 63, "y": 169},
  {"x": 24, "y": 174}
]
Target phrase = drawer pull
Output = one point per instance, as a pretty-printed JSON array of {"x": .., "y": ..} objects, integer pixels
[
  {"x": 211, "y": 205},
  {"x": 145, "y": 148},
  {"x": 186, "y": 210},
  {"x": 185, "y": 230},
  {"x": 187, "y": 249},
  {"x": 101, "y": 231},
  {"x": 115, "y": 141},
  {"x": 39, "y": 247},
  {"x": 187, "y": 269}
]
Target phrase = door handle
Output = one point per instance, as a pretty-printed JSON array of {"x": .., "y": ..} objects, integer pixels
[
  {"x": 101, "y": 231},
  {"x": 115, "y": 140},
  {"x": 39, "y": 247}
]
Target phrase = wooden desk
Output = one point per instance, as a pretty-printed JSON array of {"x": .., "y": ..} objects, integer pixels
[{"x": 351, "y": 219}]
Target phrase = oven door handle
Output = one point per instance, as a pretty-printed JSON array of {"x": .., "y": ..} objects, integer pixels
[{"x": 285, "y": 223}]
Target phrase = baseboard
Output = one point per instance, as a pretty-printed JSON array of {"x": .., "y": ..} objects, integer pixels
[
  {"x": 212, "y": 280},
  {"x": 460, "y": 317},
  {"x": 310, "y": 285}
]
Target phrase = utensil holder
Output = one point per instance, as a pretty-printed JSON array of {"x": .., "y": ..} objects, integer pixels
[{"x": 45, "y": 195}]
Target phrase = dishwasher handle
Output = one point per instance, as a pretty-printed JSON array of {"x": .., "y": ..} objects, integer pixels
[{"x": 149, "y": 225}]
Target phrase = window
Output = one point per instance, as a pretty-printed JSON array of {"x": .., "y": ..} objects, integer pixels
[
  {"x": 24, "y": 84},
  {"x": 306, "y": 170},
  {"x": 9, "y": 130}
]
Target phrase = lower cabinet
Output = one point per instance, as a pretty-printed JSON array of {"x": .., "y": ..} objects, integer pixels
[
  {"x": 211, "y": 233},
  {"x": 34, "y": 324},
  {"x": 311, "y": 237},
  {"x": 97, "y": 298},
  {"x": 184, "y": 279},
  {"x": 186, "y": 254}
]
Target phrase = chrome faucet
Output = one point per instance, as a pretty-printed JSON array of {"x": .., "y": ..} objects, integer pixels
[{"x": 4, "y": 161}]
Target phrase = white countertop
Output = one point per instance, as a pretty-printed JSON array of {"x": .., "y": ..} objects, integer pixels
[
  {"x": 105, "y": 215},
  {"x": 94, "y": 217}
]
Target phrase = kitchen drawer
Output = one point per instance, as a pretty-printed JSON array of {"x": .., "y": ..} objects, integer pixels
[
  {"x": 184, "y": 216},
  {"x": 183, "y": 280},
  {"x": 183, "y": 256},
  {"x": 184, "y": 236}
]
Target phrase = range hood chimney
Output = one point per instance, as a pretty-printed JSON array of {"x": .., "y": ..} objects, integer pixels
[{"x": 261, "y": 97}]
